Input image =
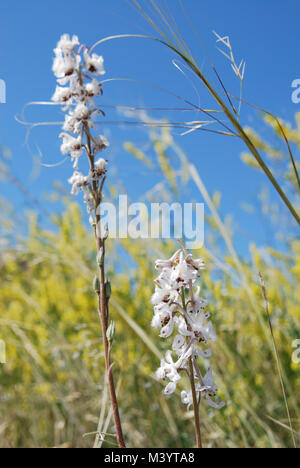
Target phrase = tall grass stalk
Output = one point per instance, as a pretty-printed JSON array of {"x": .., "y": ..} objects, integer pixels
[
  {"x": 174, "y": 42},
  {"x": 264, "y": 292}
]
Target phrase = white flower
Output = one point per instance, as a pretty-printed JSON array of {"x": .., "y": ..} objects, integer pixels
[
  {"x": 71, "y": 146},
  {"x": 157, "y": 321},
  {"x": 66, "y": 62},
  {"x": 66, "y": 44},
  {"x": 100, "y": 165},
  {"x": 183, "y": 273},
  {"x": 164, "y": 279},
  {"x": 187, "y": 398},
  {"x": 163, "y": 319},
  {"x": 183, "y": 328},
  {"x": 198, "y": 264},
  {"x": 209, "y": 389},
  {"x": 89, "y": 201},
  {"x": 94, "y": 63},
  {"x": 198, "y": 304},
  {"x": 93, "y": 88},
  {"x": 77, "y": 181},
  {"x": 164, "y": 295},
  {"x": 168, "y": 369},
  {"x": 179, "y": 345},
  {"x": 170, "y": 388},
  {"x": 195, "y": 326},
  {"x": 177, "y": 306},
  {"x": 167, "y": 330},
  {"x": 162, "y": 316},
  {"x": 66, "y": 95},
  {"x": 76, "y": 117},
  {"x": 100, "y": 168},
  {"x": 62, "y": 95},
  {"x": 206, "y": 354},
  {"x": 202, "y": 330},
  {"x": 160, "y": 264},
  {"x": 64, "y": 66},
  {"x": 178, "y": 271},
  {"x": 209, "y": 383},
  {"x": 100, "y": 144},
  {"x": 75, "y": 90},
  {"x": 81, "y": 111},
  {"x": 71, "y": 125}
]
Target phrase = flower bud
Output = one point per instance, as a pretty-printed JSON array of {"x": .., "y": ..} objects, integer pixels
[
  {"x": 92, "y": 221},
  {"x": 110, "y": 332},
  {"x": 100, "y": 257},
  {"x": 96, "y": 285},
  {"x": 107, "y": 290}
]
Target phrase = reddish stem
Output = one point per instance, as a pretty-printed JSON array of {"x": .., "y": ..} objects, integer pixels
[{"x": 103, "y": 308}]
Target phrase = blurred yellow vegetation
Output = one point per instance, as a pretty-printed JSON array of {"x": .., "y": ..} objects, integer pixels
[{"x": 53, "y": 389}]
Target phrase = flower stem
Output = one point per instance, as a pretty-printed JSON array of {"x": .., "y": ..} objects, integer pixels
[
  {"x": 192, "y": 377},
  {"x": 195, "y": 404},
  {"x": 103, "y": 312},
  {"x": 102, "y": 299}
]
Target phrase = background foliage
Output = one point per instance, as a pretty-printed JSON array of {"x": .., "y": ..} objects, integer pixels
[{"x": 53, "y": 390}]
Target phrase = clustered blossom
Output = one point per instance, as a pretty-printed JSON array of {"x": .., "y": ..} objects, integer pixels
[
  {"x": 76, "y": 71},
  {"x": 178, "y": 307}
]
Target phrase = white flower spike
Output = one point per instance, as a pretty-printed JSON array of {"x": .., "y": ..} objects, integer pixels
[
  {"x": 76, "y": 71},
  {"x": 178, "y": 306}
]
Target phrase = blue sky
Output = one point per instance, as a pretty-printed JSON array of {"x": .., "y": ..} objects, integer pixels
[{"x": 263, "y": 32}]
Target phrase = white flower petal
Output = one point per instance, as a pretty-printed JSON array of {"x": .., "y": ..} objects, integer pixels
[
  {"x": 170, "y": 388},
  {"x": 179, "y": 341}
]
